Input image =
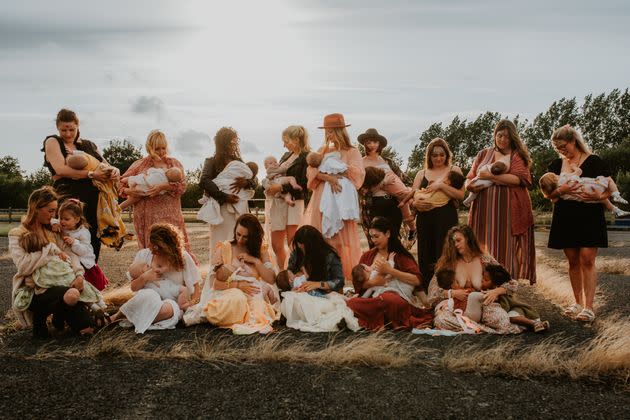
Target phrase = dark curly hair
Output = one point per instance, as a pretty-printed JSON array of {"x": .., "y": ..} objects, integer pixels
[{"x": 224, "y": 151}]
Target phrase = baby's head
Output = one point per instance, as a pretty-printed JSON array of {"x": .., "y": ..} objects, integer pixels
[
  {"x": 174, "y": 174},
  {"x": 373, "y": 177},
  {"x": 548, "y": 183},
  {"x": 455, "y": 180},
  {"x": 160, "y": 264},
  {"x": 253, "y": 167},
  {"x": 494, "y": 275},
  {"x": 283, "y": 281},
  {"x": 314, "y": 159},
  {"x": 270, "y": 163},
  {"x": 137, "y": 269},
  {"x": 360, "y": 275},
  {"x": 446, "y": 279},
  {"x": 32, "y": 242},
  {"x": 222, "y": 273},
  {"x": 77, "y": 160},
  {"x": 498, "y": 168}
]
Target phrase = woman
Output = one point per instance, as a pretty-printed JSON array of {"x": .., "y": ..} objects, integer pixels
[
  {"x": 346, "y": 241},
  {"x": 161, "y": 203},
  {"x": 462, "y": 253},
  {"x": 243, "y": 301},
  {"x": 147, "y": 310},
  {"x": 501, "y": 215},
  {"x": 42, "y": 206},
  {"x": 390, "y": 276},
  {"x": 226, "y": 150},
  {"x": 318, "y": 261},
  {"x": 434, "y": 222},
  {"x": 578, "y": 228},
  {"x": 73, "y": 183},
  {"x": 281, "y": 219}
]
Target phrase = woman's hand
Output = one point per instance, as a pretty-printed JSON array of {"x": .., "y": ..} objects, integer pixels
[
  {"x": 65, "y": 257},
  {"x": 78, "y": 283},
  {"x": 460, "y": 294},
  {"x": 157, "y": 189},
  {"x": 422, "y": 205},
  {"x": 382, "y": 266},
  {"x": 150, "y": 276},
  {"x": 485, "y": 174},
  {"x": 247, "y": 288},
  {"x": 334, "y": 183},
  {"x": 68, "y": 240},
  {"x": 434, "y": 186},
  {"x": 492, "y": 295},
  {"x": 246, "y": 258},
  {"x": 307, "y": 286},
  {"x": 591, "y": 195},
  {"x": 232, "y": 199},
  {"x": 238, "y": 184}
]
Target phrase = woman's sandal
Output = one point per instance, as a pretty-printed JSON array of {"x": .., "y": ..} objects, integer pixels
[
  {"x": 541, "y": 326},
  {"x": 573, "y": 310},
  {"x": 587, "y": 315}
]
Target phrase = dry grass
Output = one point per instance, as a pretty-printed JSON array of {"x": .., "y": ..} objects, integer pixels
[
  {"x": 117, "y": 296},
  {"x": 608, "y": 265}
]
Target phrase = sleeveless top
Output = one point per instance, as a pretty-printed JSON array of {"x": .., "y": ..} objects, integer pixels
[{"x": 81, "y": 144}]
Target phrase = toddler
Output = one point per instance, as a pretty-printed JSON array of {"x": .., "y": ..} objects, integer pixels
[
  {"x": 276, "y": 174},
  {"x": 335, "y": 206},
  {"x": 153, "y": 177},
  {"x": 165, "y": 287},
  {"x": 438, "y": 198},
  {"x": 447, "y": 281},
  {"x": 76, "y": 235},
  {"x": 499, "y": 167},
  {"x": 550, "y": 181},
  {"x": 390, "y": 183},
  {"x": 287, "y": 281}
]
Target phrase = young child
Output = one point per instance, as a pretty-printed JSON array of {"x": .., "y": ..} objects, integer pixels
[
  {"x": 500, "y": 166},
  {"x": 287, "y": 281},
  {"x": 276, "y": 174},
  {"x": 447, "y": 281},
  {"x": 438, "y": 198},
  {"x": 165, "y": 287},
  {"x": 520, "y": 313},
  {"x": 76, "y": 234},
  {"x": 335, "y": 206},
  {"x": 210, "y": 211},
  {"x": 550, "y": 181},
  {"x": 152, "y": 178}
]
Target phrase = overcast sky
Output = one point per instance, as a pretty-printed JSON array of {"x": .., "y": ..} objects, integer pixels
[{"x": 190, "y": 67}]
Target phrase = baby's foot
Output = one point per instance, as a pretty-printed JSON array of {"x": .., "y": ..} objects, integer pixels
[
  {"x": 620, "y": 213},
  {"x": 617, "y": 198}
]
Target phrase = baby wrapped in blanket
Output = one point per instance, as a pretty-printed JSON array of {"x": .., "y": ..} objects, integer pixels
[{"x": 152, "y": 178}]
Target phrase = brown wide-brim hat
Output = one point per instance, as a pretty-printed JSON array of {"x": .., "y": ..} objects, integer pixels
[
  {"x": 334, "y": 121},
  {"x": 372, "y": 134}
]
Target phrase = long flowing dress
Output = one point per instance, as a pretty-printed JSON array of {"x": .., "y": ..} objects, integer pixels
[
  {"x": 346, "y": 241},
  {"x": 502, "y": 218},
  {"x": 162, "y": 208}
]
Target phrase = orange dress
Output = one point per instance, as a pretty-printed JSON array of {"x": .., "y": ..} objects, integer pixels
[{"x": 346, "y": 241}]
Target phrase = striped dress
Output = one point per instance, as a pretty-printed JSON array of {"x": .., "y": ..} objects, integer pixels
[{"x": 502, "y": 219}]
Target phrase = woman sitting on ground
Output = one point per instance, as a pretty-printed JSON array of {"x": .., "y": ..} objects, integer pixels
[
  {"x": 157, "y": 275},
  {"x": 385, "y": 279},
  {"x": 239, "y": 291},
  {"x": 312, "y": 285}
]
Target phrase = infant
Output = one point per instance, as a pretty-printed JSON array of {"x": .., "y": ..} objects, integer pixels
[
  {"x": 83, "y": 161},
  {"x": 153, "y": 177},
  {"x": 166, "y": 288},
  {"x": 439, "y": 198},
  {"x": 390, "y": 183},
  {"x": 276, "y": 174},
  {"x": 287, "y": 281},
  {"x": 227, "y": 273},
  {"x": 499, "y": 167}
]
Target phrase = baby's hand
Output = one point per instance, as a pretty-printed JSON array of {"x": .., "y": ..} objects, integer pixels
[
  {"x": 56, "y": 227},
  {"x": 68, "y": 240},
  {"x": 64, "y": 256}
]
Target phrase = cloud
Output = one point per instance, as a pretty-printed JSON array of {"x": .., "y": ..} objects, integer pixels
[
  {"x": 247, "y": 147},
  {"x": 192, "y": 143},
  {"x": 149, "y": 105}
]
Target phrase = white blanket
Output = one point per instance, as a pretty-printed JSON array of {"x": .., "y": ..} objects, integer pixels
[
  {"x": 337, "y": 207},
  {"x": 153, "y": 177},
  {"x": 317, "y": 314},
  {"x": 210, "y": 211}
]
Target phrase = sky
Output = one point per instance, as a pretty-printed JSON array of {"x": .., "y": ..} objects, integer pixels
[{"x": 191, "y": 67}]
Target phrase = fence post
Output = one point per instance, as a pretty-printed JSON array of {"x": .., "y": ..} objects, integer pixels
[{"x": 10, "y": 214}]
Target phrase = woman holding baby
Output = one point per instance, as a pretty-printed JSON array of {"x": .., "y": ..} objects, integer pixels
[
  {"x": 501, "y": 214},
  {"x": 155, "y": 202}
]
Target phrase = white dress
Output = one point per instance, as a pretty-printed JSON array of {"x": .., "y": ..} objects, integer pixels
[
  {"x": 144, "y": 306},
  {"x": 82, "y": 246},
  {"x": 340, "y": 206},
  {"x": 153, "y": 177},
  {"x": 317, "y": 314}
]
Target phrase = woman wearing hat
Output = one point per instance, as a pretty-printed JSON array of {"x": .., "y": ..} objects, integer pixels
[
  {"x": 346, "y": 241},
  {"x": 377, "y": 202}
]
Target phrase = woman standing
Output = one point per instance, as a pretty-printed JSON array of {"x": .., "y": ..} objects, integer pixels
[
  {"x": 578, "y": 228},
  {"x": 226, "y": 150},
  {"x": 161, "y": 203},
  {"x": 434, "y": 222},
  {"x": 284, "y": 219},
  {"x": 501, "y": 215},
  {"x": 346, "y": 241},
  {"x": 73, "y": 183}
]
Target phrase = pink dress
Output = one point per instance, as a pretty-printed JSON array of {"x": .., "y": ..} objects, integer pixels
[
  {"x": 346, "y": 241},
  {"x": 163, "y": 208}
]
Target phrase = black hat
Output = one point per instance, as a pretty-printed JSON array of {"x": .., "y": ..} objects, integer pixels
[{"x": 372, "y": 134}]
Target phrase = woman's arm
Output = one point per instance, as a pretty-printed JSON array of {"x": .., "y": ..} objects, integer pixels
[
  {"x": 140, "y": 281},
  {"x": 454, "y": 193},
  {"x": 206, "y": 183},
  {"x": 57, "y": 161},
  {"x": 508, "y": 180},
  {"x": 407, "y": 269}
]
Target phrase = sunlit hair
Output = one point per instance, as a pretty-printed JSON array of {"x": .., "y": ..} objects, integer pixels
[
  {"x": 450, "y": 255},
  {"x": 224, "y": 151},
  {"x": 38, "y": 199},
  {"x": 516, "y": 143},
  {"x": 548, "y": 183},
  {"x": 393, "y": 243},
  {"x": 437, "y": 142},
  {"x": 316, "y": 249},
  {"x": 75, "y": 208},
  {"x": 167, "y": 241},
  {"x": 570, "y": 135},
  {"x": 66, "y": 116},
  {"x": 340, "y": 137},
  {"x": 32, "y": 242},
  {"x": 155, "y": 139},
  {"x": 255, "y": 233},
  {"x": 299, "y": 133}
]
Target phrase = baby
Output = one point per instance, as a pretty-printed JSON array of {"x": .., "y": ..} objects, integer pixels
[
  {"x": 438, "y": 198},
  {"x": 390, "y": 183},
  {"x": 287, "y": 281},
  {"x": 550, "y": 181},
  {"x": 276, "y": 174},
  {"x": 152, "y": 178},
  {"x": 447, "y": 281},
  {"x": 335, "y": 206},
  {"x": 83, "y": 161},
  {"x": 500, "y": 166},
  {"x": 166, "y": 288},
  {"x": 228, "y": 273}
]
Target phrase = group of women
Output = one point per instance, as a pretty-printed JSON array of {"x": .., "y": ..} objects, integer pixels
[{"x": 241, "y": 289}]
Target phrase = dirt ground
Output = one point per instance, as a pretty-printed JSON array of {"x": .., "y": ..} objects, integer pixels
[{"x": 116, "y": 385}]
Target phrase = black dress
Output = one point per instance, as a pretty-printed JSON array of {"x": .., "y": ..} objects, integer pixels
[
  {"x": 575, "y": 224},
  {"x": 433, "y": 226}
]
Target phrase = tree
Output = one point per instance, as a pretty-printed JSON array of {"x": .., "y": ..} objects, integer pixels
[
  {"x": 193, "y": 191},
  {"x": 10, "y": 166},
  {"x": 38, "y": 179},
  {"x": 121, "y": 154}
]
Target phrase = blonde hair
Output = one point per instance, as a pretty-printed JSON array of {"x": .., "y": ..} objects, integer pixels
[
  {"x": 341, "y": 138},
  {"x": 570, "y": 135},
  {"x": 516, "y": 143},
  {"x": 548, "y": 183},
  {"x": 38, "y": 199},
  {"x": 437, "y": 142},
  {"x": 299, "y": 133},
  {"x": 155, "y": 139},
  {"x": 32, "y": 242}
]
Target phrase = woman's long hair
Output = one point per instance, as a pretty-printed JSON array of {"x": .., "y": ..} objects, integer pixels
[
  {"x": 255, "y": 233},
  {"x": 449, "y": 256},
  {"x": 224, "y": 150},
  {"x": 342, "y": 138},
  {"x": 167, "y": 241},
  {"x": 316, "y": 249},
  {"x": 38, "y": 199},
  {"x": 516, "y": 143},
  {"x": 393, "y": 244}
]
